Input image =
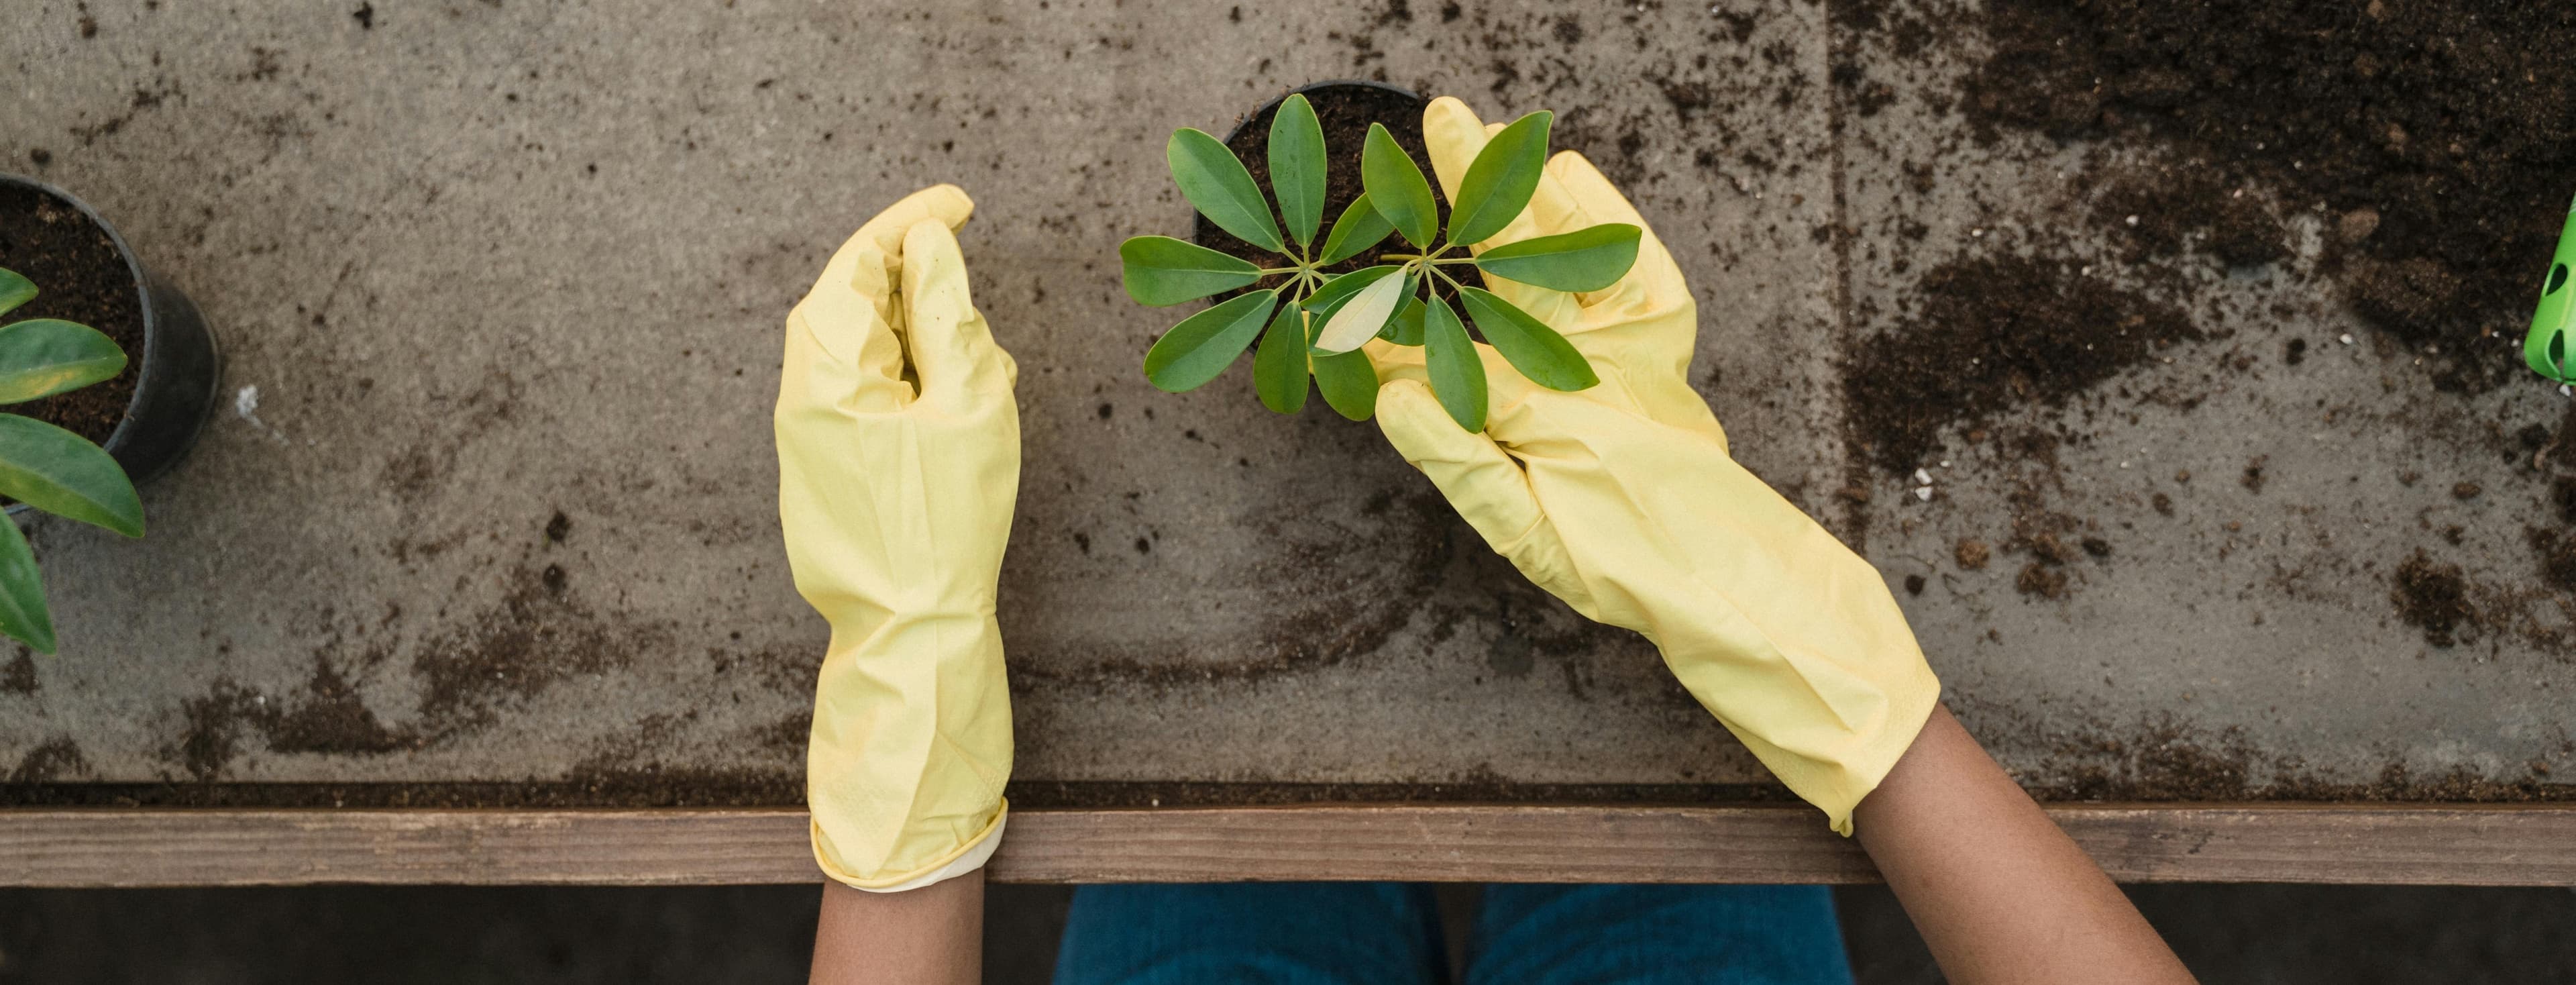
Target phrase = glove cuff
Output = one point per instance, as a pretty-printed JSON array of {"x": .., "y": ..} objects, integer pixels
[{"x": 965, "y": 858}]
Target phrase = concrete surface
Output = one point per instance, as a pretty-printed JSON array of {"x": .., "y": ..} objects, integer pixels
[
  {"x": 2274, "y": 935},
  {"x": 508, "y": 278}
]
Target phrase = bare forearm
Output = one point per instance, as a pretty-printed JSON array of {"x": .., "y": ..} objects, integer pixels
[
  {"x": 932, "y": 935},
  {"x": 1998, "y": 892}
]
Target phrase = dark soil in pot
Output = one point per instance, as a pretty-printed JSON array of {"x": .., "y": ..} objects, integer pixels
[
  {"x": 80, "y": 276},
  {"x": 1345, "y": 109}
]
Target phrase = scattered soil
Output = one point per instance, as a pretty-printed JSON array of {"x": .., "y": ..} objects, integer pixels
[
  {"x": 1972, "y": 555},
  {"x": 2171, "y": 212},
  {"x": 20, "y": 677},
  {"x": 2414, "y": 126},
  {"x": 58, "y": 759},
  {"x": 1345, "y": 111},
  {"x": 2557, "y": 554},
  {"x": 1989, "y": 333},
  {"x": 79, "y": 277},
  {"x": 2434, "y": 597}
]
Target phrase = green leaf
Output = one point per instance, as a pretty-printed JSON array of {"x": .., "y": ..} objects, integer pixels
[
  {"x": 1340, "y": 289},
  {"x": 1203, "y": 345},
  {"x": 1457, "y": 373},
  {"x": 1359, "y": 228},
  {"x": 1530, "y": 346},
  {"x": 22, "y": 592},
  {"x": 1359, "y": 319},
  {"x": 15, "y": 290},
  {"x": 1583, "y": 260},
  {"x": 1279, "y": 367},
  {"x": 63, "y": 474},
  {"x": 1162, "y": 271},
  {"x": 44, "y": 356},
  {"x": 1349, "y": 383},
  {"x": 1406, "y": 327},
  {"x": 1396, "y": 188},
  {"x": 1297, "y": 167},
  {"x": 1218, "y": 186},
  {"x": 1499, "y": 183}
]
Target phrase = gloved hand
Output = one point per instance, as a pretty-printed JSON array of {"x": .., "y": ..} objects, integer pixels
[
  {"x": 896, "y": 500},
  {"x": 1622, "y": 500}
]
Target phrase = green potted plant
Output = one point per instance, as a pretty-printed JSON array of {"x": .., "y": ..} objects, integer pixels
[
  {"x": 1312, "y": 313},
  {"x": 47, "y": 467}
]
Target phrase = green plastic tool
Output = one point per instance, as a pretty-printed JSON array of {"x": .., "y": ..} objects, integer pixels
[{"x": 2545, "y": 349}]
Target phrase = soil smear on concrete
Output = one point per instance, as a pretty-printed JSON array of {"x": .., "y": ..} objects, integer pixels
[
  {"x": 80, "y": 276},
  {"x": 2426, "y": 131}
]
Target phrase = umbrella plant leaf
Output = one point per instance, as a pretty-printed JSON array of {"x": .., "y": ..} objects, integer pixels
[
  {"x": 1531, "y": 347},
  {"x": 22, "y": 593},
  {"x": 1406, "y": 327},
  {"x": 1221, "y": 189},
  {"x": 1329, "y": 297},
  {"x": 1457, "y": 373},
  {"x": 1363, "y": 315},
  {"x": 63, "y": 474},
  {"x": 1583, "y": 260},
  {"x": 1163, "y": 271},
  {"x": 1396, "y": 188},
  {"x": 1348, "y": 381},
  {"x": 15, "y": 290},
  {"x": 1203, "y": 345},
  {"x": 1359, "y": 228},
  {"x": 41, "y": 357},
  {"x": 1498, "y": 185},
  {"x": 1297, "y": 167},
  {"x": 1279, "y": 366}
]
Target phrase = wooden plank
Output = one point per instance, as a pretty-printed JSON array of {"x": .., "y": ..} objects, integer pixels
[{"x": 2407, "y": 844}]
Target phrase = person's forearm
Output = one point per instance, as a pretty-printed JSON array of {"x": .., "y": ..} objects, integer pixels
[
  {"x": 1998, "y": 892},
  {"x": 928, "y": 936}
]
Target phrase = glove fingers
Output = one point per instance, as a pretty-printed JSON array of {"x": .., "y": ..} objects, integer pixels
[
  {"x": 841, "y": 352},
  {"x": 953, "y": 352},
  {"x": 1655, "y": 281},
  {"x": 1487, "y": 488}
]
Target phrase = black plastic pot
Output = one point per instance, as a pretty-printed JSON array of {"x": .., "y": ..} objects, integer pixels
[
  {"x": 179, "y": 371},
  {"x": 1315, "y": 90}
]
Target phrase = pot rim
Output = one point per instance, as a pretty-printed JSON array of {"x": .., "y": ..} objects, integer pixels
[{"x": 143, "y": 298}]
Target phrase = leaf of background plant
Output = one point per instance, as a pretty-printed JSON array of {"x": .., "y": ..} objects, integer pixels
[
  {"x": 1406, "y": 327},
  {"x": 15, "y": 290},
  {"x": 63, "y": 474},
  {"x": 1203, "y": 345},
  {"x": 1163, "y": 271},
  {"x": 1349, "y": 383},
  {"x": 1359, "y": 318},
  {"x": 22, "y": 592},
  {"x": 1339, "y": 289},
  {"x": 1218, "y": 186},
  {"x": 1279, "y": 367},
  {"x": 44, "y": 356},
  {"x": 1457, "y": 373},
  {"x": 1297, "y": 167},
  {"x": 1359, "y": 228},
  {"x": 1499, "y": 183},
  {"x": 1533, "y": 348},
  {"x": 1583, "y": 260},
  {"x": 1396, "y": 188}
]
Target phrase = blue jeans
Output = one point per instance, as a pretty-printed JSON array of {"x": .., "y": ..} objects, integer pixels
[{"x": 1378, "y": 933}]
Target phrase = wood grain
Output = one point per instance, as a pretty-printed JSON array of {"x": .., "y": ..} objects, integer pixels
[{"x": 2428, "y": 844}]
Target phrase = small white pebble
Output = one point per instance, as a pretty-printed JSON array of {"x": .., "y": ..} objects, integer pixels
[
  {"x": 1924, "y": 494},
  {"x": 261, "y": 699},
  {"x": 2088, "y": 271},
  {"x": 2122, "y": 464},
  {"x": 1979, "y": 233},
  {"x": 2345, "y": 338},
  {"x": 2240, "y": 193},
  {"x": 1945, "y": 463},
  {"x": 1921, "y": 478},
  {"x": 2133, "y": 220}
]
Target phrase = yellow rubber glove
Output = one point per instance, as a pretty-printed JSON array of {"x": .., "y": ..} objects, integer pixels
[
  {"x": 896, "y": 503},
  {"x": 1623, "y": 501}
]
